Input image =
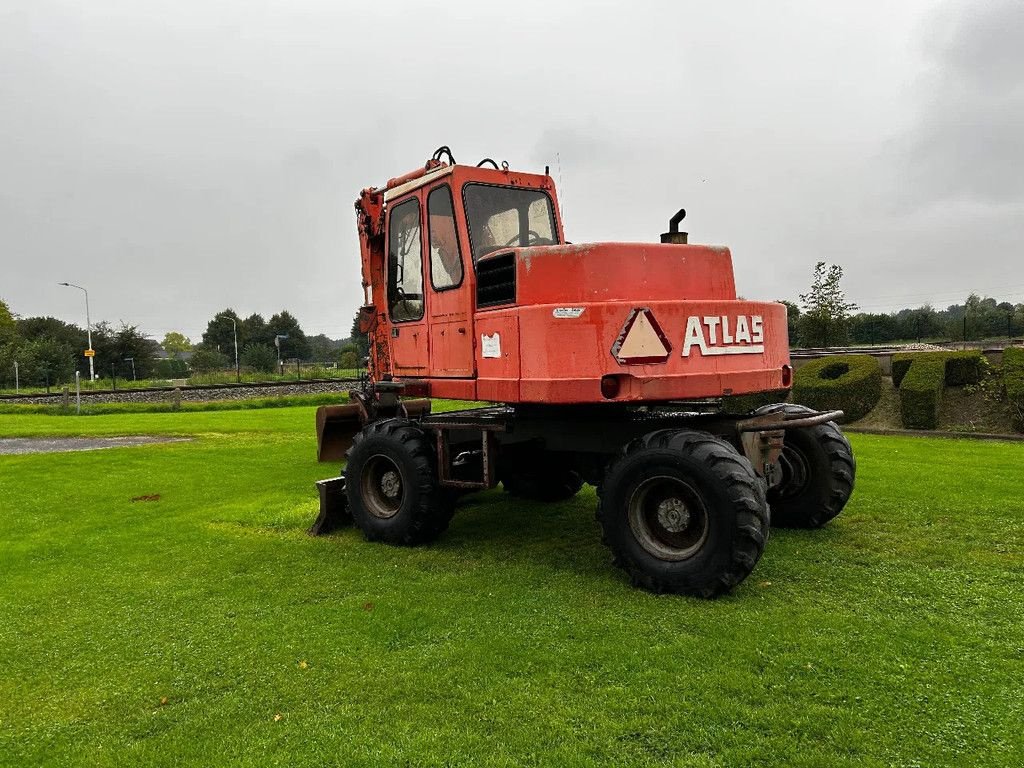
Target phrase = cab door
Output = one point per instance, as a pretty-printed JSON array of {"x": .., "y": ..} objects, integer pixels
[
  {"x": 450, "y": 308},
  {"x": 406, "y": 296}
]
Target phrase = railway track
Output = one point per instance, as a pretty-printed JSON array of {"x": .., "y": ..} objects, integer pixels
[{"x": 192, "y": 392}]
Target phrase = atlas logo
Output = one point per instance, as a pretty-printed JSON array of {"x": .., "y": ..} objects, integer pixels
[{"x": 724, "y": 335}]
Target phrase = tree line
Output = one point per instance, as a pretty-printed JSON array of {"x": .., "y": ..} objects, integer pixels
[
  {"x": 824, "y": 318},
  {"x": 48, "y": 351}
]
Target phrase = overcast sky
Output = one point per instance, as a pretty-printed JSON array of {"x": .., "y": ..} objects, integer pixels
[{"x": 179, "y": 158}]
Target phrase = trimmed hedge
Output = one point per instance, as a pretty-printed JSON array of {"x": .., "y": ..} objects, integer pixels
[
  {"x": 963, "y": 367},
  {"x": 1013, "y": 381},
  {"x": 921, "y": 392},
  {"x": 743, "y": 404},
  {"x": 851, "y": 383}
]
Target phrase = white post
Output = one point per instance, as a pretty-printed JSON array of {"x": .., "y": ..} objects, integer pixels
[
  {"x": 17, "y": 386},
  {"x": 78, "y": 392}
]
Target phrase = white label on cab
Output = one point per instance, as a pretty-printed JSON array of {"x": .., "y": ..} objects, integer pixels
[
  {"x": 567, "y": 312},
  {"x": 490, "y": 346}
]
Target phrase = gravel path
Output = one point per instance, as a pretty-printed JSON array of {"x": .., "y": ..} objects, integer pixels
[{"x": 20, "y": 445}]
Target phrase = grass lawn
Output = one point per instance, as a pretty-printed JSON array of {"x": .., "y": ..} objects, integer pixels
[{"x": 206, "y": 628}]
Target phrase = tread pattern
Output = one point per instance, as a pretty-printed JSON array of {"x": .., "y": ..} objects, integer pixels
[
  {"x": 841, "y": 476},
  {"x": 432, "y": 508},
  {"x": 744, "y": 494}
]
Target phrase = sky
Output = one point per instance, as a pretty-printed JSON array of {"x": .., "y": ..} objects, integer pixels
[{"x": 179, "y": 158}]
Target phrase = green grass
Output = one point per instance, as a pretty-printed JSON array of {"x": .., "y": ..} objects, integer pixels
[
  {"x": 100, "y": 409},
  {"x": 892, "y": 637}
]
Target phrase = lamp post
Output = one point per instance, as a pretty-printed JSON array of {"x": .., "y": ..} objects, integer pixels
[
  {"x": 234, "y": 331},
  {"x": 132, "y": 361},
  {"x": 88, "y": 326},
  {"x": 277, "y": 343}
]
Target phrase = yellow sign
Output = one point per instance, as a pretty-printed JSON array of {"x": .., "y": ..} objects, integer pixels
[{"x": 90, "y": 353}]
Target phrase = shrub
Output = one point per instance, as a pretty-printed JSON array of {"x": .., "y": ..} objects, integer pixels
[
  {"x": 851, "y": 383},
  {"x": 921, "y": 392},
  {"x": 1013, "y": 381},
  {"x": 170, "y": 368},
  {"x": 742, "y": 404},
  {"x": 260, "y": 357},
  {"x": 966, "y": 367},
  {"x": 205, "y": 360}
]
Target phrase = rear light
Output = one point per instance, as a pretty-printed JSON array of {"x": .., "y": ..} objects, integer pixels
[
  {"x": 787, "y": 375},
  {"x": 609, "y": 387}
]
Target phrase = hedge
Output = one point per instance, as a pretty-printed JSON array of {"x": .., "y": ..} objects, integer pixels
[
  {"x": 743, "y": 404},
  {"x": 965, "y": 367},
  {"x": 1013, "y": 380},
  {"x": 851, "y": 383},
  {"x": 921, "y": 392}
]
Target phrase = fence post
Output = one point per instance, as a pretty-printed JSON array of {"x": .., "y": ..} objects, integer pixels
[{"x": 78, "y": 392}]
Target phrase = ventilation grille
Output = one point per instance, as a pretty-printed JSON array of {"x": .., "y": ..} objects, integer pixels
[{"x": 496, "y": 281}]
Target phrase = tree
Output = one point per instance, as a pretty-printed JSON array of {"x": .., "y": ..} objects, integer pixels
[
  {"x": 826, "y": 312},
  {"x": 361, "y": 340},
  {"x": 175, "y": 343},
  {"x": 253, "y": 330},
  {"x": 8, "y": 326},
  {"x": 792, "y": 320},
  {"x": 220, "y": 333},
  {"x": 296, "y": 345},
  {"x": 260, "y": 357},
  {"x": 322, "y": 348},
  {"x": 207, "y": 360}
]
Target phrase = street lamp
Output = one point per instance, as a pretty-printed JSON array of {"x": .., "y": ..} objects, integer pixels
[
  {"x": 88, "y": 327},
  {"x": 132, "y": 361},
  {"x": 234, "y": 331},
  {"x": 277, "y": 343}
]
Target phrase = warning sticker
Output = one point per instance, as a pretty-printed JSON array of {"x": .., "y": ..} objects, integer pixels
[
  {"x": 641, "y": 340},
  {"x": 490, "y": 346}
]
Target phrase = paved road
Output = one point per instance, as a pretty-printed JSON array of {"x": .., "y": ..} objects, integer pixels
[{"x": 19, "y": 445}]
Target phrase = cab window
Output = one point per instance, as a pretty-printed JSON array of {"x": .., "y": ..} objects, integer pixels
[
  {"x": 445, "y": 258},
  {"x": 405, "y": 262},
  {"x": 507, "y": 217}
]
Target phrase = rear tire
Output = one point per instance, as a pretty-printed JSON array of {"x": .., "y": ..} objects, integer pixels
[
  {"x": 392, "y": 485},
  {"x": 544, "y": 479},
  {"x": 818, "y": 473},
  {"x": 684, "y": 513}
]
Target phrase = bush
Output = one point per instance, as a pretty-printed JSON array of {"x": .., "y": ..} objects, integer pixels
[
  {"x": 1013, "y": 381},
  {"x": 170, "y": 368},
  {"x": 851, "y": 383},
  {"x": 743, "y": 404},
  {"x": 206, "y": 360},
  {"x": 921, "y": 392},
  {"x": 260, "y": 357},
  {"x": 966, "y": 367}
]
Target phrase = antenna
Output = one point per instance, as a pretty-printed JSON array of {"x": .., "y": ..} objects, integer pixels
[{"x": 561, "y": 190}]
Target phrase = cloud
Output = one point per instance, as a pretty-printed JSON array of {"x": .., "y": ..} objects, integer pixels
[{"x": 967, "y": 144}]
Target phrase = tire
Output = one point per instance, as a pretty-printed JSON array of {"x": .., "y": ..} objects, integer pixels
[
  {"x": 703, "y": 485},
  {"x": 818, "y": 473},
  {"x": 392, "y": 486},
  {"x": 542, "y": 480}
]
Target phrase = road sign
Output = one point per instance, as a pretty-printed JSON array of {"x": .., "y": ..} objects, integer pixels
[{"x": 90, "y": 353}]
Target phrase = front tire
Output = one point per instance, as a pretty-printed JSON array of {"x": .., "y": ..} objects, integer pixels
[
  {"x": 684, "y": 513},
  {"x": 392, "y": 486},
  {"x": 818, "y": 473}
]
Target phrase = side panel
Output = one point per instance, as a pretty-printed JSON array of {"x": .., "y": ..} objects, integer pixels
[
  {"x": 498, "y": 356},
  {"x": 675, "y": 355}
]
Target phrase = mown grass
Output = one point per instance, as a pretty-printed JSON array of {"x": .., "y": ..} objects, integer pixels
[
  {"x": 186, "y": 406},
  {"x": 206, "y": 628}
]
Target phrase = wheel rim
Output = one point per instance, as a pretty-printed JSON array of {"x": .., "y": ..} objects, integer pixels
[
  {"x": 381, "y": 486},
  {"x": 795, "y": 472},
  {"x": 668, "y": 517}
]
